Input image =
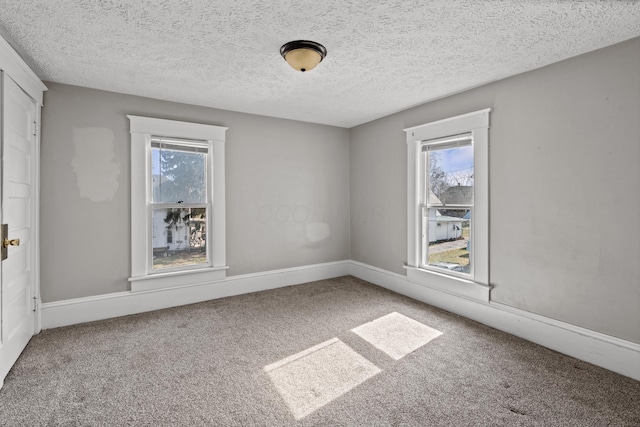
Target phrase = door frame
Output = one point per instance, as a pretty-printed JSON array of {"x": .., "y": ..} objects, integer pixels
[{"x": 37, "y": 321}]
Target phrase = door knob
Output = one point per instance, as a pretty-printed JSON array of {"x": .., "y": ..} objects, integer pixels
[{"x": 13, "y": 242}]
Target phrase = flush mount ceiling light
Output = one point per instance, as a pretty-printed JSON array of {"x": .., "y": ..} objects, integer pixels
[{"x": 303, "y": 55}]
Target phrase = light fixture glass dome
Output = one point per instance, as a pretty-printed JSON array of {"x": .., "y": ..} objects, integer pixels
[{"x": 303, "y": 55}]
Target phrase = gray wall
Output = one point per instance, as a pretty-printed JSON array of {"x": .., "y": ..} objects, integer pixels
[
  {"x": 564, "y": 188},
  {"x": 287, "y": 190}
]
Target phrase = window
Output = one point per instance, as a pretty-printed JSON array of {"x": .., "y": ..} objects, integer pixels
[
  {"x": 177, "y": 193},
  {"x": 448, "y": 204},
  {"x": 179, "y": 202},
  {"x": 447, "y": 189}
]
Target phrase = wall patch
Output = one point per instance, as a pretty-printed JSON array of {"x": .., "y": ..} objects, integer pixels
[{"x": 96, "y": 172}]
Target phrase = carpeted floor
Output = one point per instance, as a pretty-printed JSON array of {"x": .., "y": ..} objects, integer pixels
[{"x": 289, "y": 357}]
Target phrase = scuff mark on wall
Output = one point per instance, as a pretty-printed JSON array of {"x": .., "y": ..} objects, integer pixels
[{"x": 96, "y": 173}]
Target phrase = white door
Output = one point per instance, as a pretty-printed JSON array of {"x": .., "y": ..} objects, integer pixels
[{"x": 18, "y": 191}]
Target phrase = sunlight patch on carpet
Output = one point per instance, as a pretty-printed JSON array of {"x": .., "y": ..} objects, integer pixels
[
  {"x": 312, "y": 378},
  {"x": 396, "y": 335}
]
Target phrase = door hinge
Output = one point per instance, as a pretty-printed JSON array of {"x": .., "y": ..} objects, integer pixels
[
  {"x": 35, "y": 128},
  {"x": 35, "y": 304}
]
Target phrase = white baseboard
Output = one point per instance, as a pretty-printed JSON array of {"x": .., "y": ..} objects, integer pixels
[
  {"x": 81, "y": 310},
  {"x": 599, "y": 349}
]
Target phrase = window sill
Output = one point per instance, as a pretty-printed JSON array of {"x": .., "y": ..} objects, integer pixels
[
  {"x": 450, "y": 284},
  {"x": 177, "y": 278}
]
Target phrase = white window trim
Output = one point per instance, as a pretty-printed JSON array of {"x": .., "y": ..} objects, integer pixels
[
  {"x": 477, "y": 123},
  {"x": 142, "y": 129}
]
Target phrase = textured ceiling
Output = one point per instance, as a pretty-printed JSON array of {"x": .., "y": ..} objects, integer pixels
[{"x": 383, "y": 56}]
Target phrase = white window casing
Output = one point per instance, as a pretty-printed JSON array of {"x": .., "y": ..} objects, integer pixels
[
  {"x": 476, "y": 285},
  {"x": 142, "y": 130}
]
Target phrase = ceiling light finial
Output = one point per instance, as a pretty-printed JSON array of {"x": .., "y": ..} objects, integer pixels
[{"x": 303, "y": 55}]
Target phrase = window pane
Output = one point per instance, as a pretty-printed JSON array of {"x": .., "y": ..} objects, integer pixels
[
  {"x": 179, "y": 237},
  {"x": 450, "y": 174},
  {"x": 448, "y": 239},
  {"x": 178, "y": 176}
]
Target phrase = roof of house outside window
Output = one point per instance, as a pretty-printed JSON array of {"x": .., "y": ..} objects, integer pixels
[{"x": 458, "y": 195}]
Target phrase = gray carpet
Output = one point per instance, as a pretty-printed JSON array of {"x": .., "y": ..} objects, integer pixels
[{"x": 223, "y": 363}]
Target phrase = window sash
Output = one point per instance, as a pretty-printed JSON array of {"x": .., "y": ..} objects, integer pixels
[
  {"x": 452, "y": 141},
  {"x": 183, "y": 145},
  {"x": 179, "y": 205},
  {"x": 452, "y": 207},
  {"x": 209, "y": 230},
  {"x": 425, "y": 243}
]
